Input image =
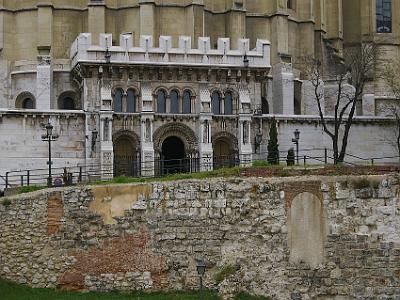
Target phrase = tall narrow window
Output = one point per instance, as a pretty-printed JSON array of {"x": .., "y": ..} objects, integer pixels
[
  {"x": 161, "y": 102},
  {"x": 383, "y": 16},
  {"x": 228, "y": 104},
  {"x": 174, "y": 102},
  {"x": 289, "y": 4},
  {"x": 118, "y": 100},
  {"x": 216, "y": 103},
  {"x": 28, "y": 103},
  {"x": 187, "y": 105},
  {"x": 131, "y": 102}
]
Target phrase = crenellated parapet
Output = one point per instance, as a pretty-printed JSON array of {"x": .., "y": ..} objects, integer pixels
[{"x": 82, "y": 50}]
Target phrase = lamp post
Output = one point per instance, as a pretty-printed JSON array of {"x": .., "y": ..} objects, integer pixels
[
  {"x": 49, "y": 137},
  {"x": 295, "y": 140},
  {"x": 201, "y": 269}
]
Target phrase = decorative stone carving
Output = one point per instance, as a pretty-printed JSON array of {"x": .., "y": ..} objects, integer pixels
[{"x": 179, "y": 130}]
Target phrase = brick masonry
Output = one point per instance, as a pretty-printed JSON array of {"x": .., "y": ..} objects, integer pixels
[{"x": 165, "y": 227}]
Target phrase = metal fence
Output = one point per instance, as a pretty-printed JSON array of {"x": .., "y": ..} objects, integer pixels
[{"x": 134, "y": 167}]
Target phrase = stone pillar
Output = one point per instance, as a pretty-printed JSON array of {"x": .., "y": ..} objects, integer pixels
[
  {"x": 205, "y": 143},
  {"x": 106, "y": 146},
  {"x": 44, "y": 83},
  {"x": 147, "y": 18},
  {"x": 146, "y": 140},
  {"x": 244, "y": 139},
  {"x": 283, "y": 87},
  {"x": 368, "y": 105},
  {"x": 96, "y": 19}
]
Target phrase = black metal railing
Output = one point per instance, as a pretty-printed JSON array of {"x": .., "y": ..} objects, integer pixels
[{"x": 135, "y": 167}]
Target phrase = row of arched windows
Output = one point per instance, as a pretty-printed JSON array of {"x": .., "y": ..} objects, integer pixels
[
  {"x": 177, "y": 104},
  {"x": 174, "y": 102},
  {"x": 66, "y": 101},
  {"x": 222, "y": 105},
  {"x": 125, "y": 104}
]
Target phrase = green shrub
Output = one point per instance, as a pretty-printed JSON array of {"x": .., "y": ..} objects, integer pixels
[
  {"x": 244, "y": 296},
  {"x": 290, "y": 158},
  {"x": 273, "y": 146},
  {"x": 6, "y": 202},
  {"x": 260, "y": 163},
  {"x": 224, "y": 272},
  {"x": 30, "y": 188}
]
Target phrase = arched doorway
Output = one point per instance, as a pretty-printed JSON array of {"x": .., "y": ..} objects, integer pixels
[
  {"x": 126, "y": 156},
  {"x": 173, "y": 156},
  {"x": 225, "y": 151}
]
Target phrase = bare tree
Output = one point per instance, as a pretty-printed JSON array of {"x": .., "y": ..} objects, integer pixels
[
  {"x": 391, "y": 76},
  {"x": 356, "y": 70}
]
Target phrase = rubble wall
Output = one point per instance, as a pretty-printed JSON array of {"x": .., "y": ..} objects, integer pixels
[{"x": 287, "y": 238}]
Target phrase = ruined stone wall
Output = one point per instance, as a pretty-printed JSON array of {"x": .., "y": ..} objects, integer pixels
[{"x": 293, "y": 238}]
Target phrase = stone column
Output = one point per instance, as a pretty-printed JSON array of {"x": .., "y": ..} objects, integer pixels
[
  {"x": 147, "y": 18},
  {"x": 244, "y": 139},
  {"x": 44, "y": 82},
  {"x": 146, "y": 140},
  {"x": 106, "y": 146},
  {"x": 205, "y": 143},
  {"x": 96, "y": 19},
  {"x": 283, "y": 87}
]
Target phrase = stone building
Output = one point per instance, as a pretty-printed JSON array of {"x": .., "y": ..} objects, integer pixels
[{"x": 172, "y": 85}]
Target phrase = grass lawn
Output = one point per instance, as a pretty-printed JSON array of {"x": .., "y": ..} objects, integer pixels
[{"x": 12, "y": 291}]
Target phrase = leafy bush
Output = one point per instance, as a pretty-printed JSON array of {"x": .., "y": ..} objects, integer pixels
[
  {"x": 224, "y": 272},
  {"x": 6, "y": 202},
  {"x": 290, "y": 157},
  {"x": 244, "y": 296}
]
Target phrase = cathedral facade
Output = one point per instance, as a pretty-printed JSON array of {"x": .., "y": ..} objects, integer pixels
[{"x": 150, "y": 87}]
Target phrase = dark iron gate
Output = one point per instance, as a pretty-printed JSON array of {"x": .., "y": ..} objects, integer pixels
[{"x": 127, "y": 165}]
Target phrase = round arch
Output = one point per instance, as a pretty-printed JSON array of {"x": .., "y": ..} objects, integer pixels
[
  {"x": 225, "y": 149},
  {"x": 178, "y": 130},
  {"x": 129, "y": 135},
  {"x": 25, "y": 100},
  {"x": 126, "y": 153},
  {"x": 68, "y": 100},
  {"x": 228, "y": 138}
]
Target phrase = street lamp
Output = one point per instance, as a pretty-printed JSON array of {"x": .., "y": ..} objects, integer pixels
[
  {"x": 201, "y": 269},
  {"x": 245, "y": 60},
  {"x": 295, "y": 140},
  {"x": 49, "y": 137}
]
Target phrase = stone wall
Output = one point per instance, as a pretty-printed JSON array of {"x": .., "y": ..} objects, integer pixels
[{"x": 293, "y": 238}]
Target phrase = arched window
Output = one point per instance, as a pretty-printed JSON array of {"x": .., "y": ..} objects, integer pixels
[
  {"x": 131, "y": 102},
  {"x": 118, "y": 100},
  {"x": 68, "y": 103},
  {"x": 228, "y": 104},
  {"x": 216, "y": 103},
  {"x": 161, "y": 102},
  {"x": 28, "y": 103},
  {"x": 25, "y": 100},
  {"x": 174, "y": 102},
  {"x": 187, "y": 103}
]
